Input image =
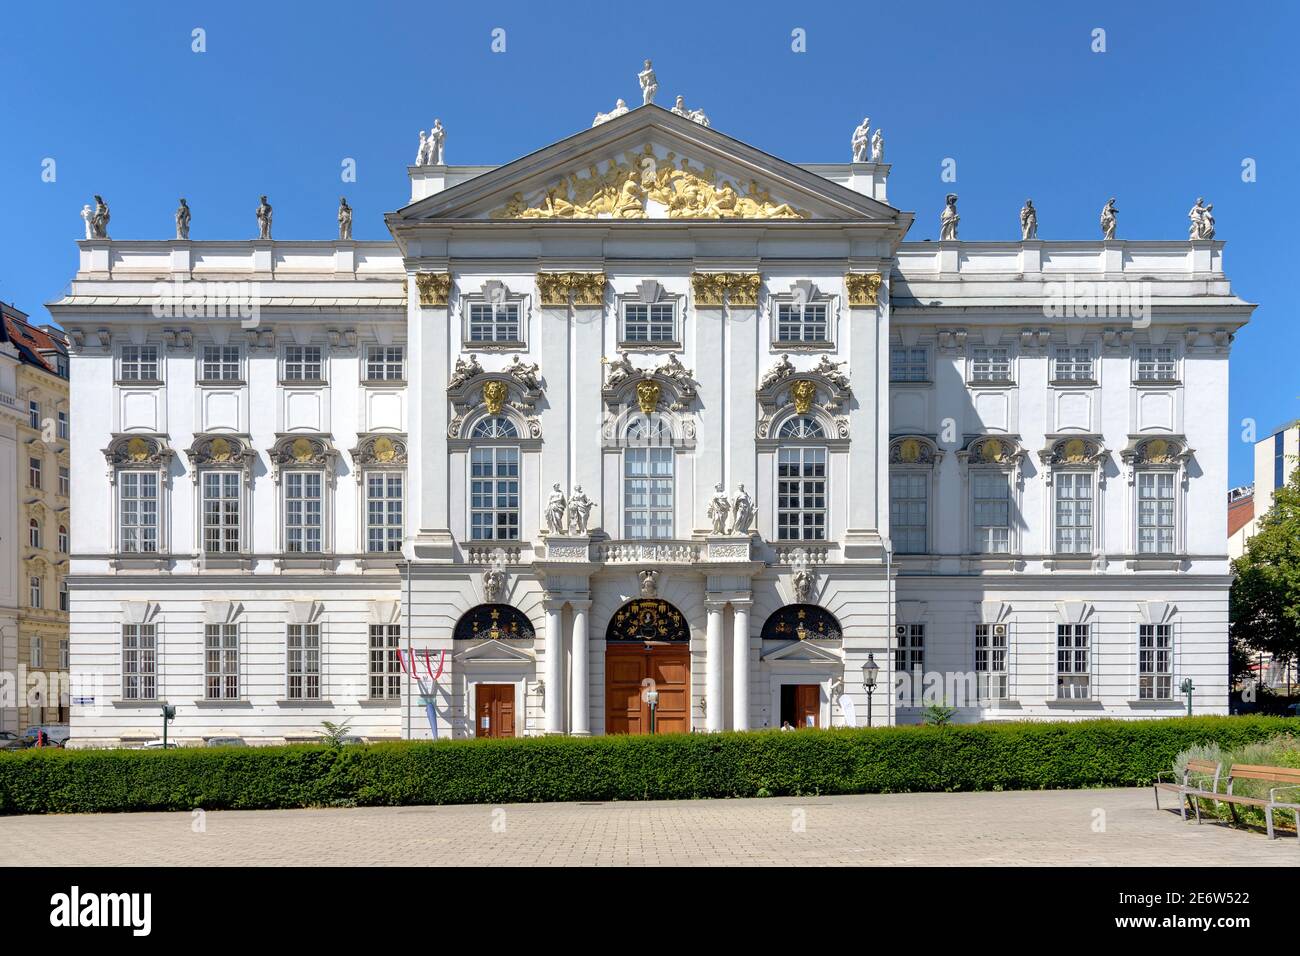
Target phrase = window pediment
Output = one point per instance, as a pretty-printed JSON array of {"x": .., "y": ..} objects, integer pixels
[
  {"x": 824, "y": 387},
  {"x": 513, "y": 392},
  {"x": 671, "y": 384},
  {"x": 220, "y": 451},
  {"x": 379, "y": 451},
  {"x": 138, "y": 450},
  {"x": 919, "y": 450},
  {"x": 303, "y": 451},
  {"x": 992, "y": 451},
  {"x": 1077, "y": 450}
]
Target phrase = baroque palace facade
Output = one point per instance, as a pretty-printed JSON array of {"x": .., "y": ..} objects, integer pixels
[{"x": 645, "y": 410}]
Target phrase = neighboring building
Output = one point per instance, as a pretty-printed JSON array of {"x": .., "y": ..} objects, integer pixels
[
  {"x": 34, "y": 455},
  {"x": 1241, "y": 518},
  {"x": 288, "y": 499},
  {"x": 1275, "y": 459}
]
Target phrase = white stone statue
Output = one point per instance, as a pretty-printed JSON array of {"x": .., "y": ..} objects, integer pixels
[
  {"x": 437, "y": 144},
  {"x": 556, "y": 511},
  {"x": 695, "y": 116},
  {"x": 1202, "y": 220},
  {"x": 1207, "y": 222},
  {"x": 949, "y": 219},
  {"x": 579, "y": 510},
  {"x": 1028, "y": 221},
  {"x": 183, "y": 220},
  {"x": 619, "y": 370},
  {"x": 742, "y": 511},
  {"x": 649, "y": 583},
  {"x": 99, "y": 219},
  {"x": 422, "y": 153},
  {"x": 803, "y": 581},
  {"x": 783, "y": 369},
  {"x": 862, "y": 141},
  {"x": 829, "y": 369},
  {"x": 719, "y": 509},
  {"x": 86, "y": 214},
  {"x": 263, "y": 219},
  {"x": 494, "y": 585},
  {"x": 673, "y": 369},
  {"x": 619, "y": 109},
  {"x": 525, "y": 373},
  {"x": 878, "y": 146},
  {"x": 345, "y": 218},
  {"x": 649, "y": 84},
  {"x": 464, "y": 370},
  {"x": 1109, "y": 219}
]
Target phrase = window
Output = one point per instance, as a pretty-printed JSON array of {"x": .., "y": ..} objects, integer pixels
[
  {"x": 34, "y": 473},
  {"x": 385, "y": 669},
  {"x": 302, "y": 511},
  {"x": 37, "y": 652},
  {"x": 1073, "y": 671},
  {"x": 1073, "y": 512},
  {"x": 385, "y": 363},
  {"x": 1279, "y": 459},
  {"x": 61, "y": 365},
  {"x": 383, "y": 512},
  {"x": 494, "y": 322},
  {"x": 63, "y": 429},
  {"x": 221, "y": 661},
  {"x": 1073, "y": 365},
  {"x": 652, "y": 322},
  {"x": 990, "y": 365},
  {"x": 909, "y": 364},
  {"x": 494, "y": 493},
  {"x": 802, "y": 323},
  {"x": 1155, "y": 517},
  {"x": 34, "y": 414},
  {"x": 221, "y": 498},
  {"x": 35, "y": 591},
  {"x": 63, "y": 539},
  {"x": 801, "y": 494},
  {"x": 138, "y": 511},
  {"x": 139, "y": 662},
  {"x": 1155, "y": 662},
  {"x": 991, "y": 661},
  {"x": 648, "y": 467},
  {"x": 63, "y": 654},
  {"x": 992, "y": 512},
  {"x": 303, "y": 363},
  {"x": 34, "y": 532},
  {"x": 304, "y": 662},
  {"x": 802, "y": 426},
  {"x": 140, "y": 363},
  {"x": 908, "y": 511},
  {"x": 65, "y": 603},
  {"x": 65, "y": 481},
  {"x": 220, "y": 363},
  {"x": 494, "y": 427},
  {"x": 909, "y": 661},
  {"x": 1156, "y": 364}
]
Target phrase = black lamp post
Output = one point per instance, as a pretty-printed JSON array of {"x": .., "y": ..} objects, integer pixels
[
  {"x": 168, "y": 714},
  {"x": 869, "y": 672}
]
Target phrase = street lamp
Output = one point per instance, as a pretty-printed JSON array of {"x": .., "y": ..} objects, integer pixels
[
  {"x": 168, "y": 715},
  {"x": 652, "y": 698},
  {"x": 869, "y": 671},
  {"x": 1187, "y": 687}
]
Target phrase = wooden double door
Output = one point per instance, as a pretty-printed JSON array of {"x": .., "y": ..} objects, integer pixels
[
  {"x": 801, "y": 705},
  {"x": 630, "y": 670},
  {"x": 494, "y": 706}
]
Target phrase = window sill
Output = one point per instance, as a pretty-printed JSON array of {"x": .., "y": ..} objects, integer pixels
[
  {"x": 1165, "y": 702},
  {"x": 991, "y": 383},
  {"x": 1156, "y": 563},
  {"x": 821, "y": 346},
  {"x": 501, "y": 345},
  {"x": 1082, "y": 703},
  {"x": 220, "y": 382},
  {"x": 1156, "y": 382},
  {"x": 384, "y": 382},
  {"x": 305, "y": 702},
  {"x": 1069, "y": 382},
  {"x": 379, "y": 702},
  {"x": 673, "y": 346},
  {"x": 138, "y": 704},
  {"x": 139, "y": 382},
  {"x": 235, "y": 703},
  {"x": 303, "y": 383},
  {"x": 999, "y": 703},
  {"x": 911, "y": 383}
]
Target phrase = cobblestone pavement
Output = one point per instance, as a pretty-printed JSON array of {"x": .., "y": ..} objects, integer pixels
[{"x": 1080, "y": 827}]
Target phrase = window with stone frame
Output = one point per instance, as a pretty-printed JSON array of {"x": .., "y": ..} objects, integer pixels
[
  {"x": 221, "y": 661},
  {"x": 494, "y": 491},
  {"x": 139, "y": 662},
  {"x": 806, "y": 323},
  {"x": 990, "y": 364},
  {"x": 1074, "y": 511},
  {"x": 385, "y": 668},
  {"x": 991, "y": 493},
  {"x": 909, "y": 364},
  {"x": 304, "y": 511},
  {"x": 801, "y": 493},
  {"x": 1156, "y": 363},
  {"x": 649, "y": 323},
  {"x": 909, "y": 504},
  {"x": 137, "y": 511},
  {"x": 1073, "y": 364},
  {"x": 220, "y": 363},
  {"x": 139, "y": 363},
  {"x": 303, "y": 662},
  {"x": 385, "y": 363},
  {"x": 1156, "y": 509},
  {"x": 303, "y": 363},
  {"x": 991, "y": 661},
  {"x": 1073, "y": 662},
  {"x": 1155, "y": 662},
  {"x": 909, "y": 661},
  {"x": 649, "y": 466},
  {"x": 494, "y": 323},
  {"x": 384, "y": 502}
]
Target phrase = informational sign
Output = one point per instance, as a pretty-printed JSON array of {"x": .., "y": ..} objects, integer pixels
[{"x": 83, "y": 701}]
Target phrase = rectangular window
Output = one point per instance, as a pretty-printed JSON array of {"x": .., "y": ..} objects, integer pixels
[
  {"x": 494, "y": 494},
  {"x": 801, "y": 494},
  {"x": 36, "y": 591},
  {"x": 1156, "y": 364},
  {"x": 304, "y": 662},
  {"x": 1073, "y": 365},
  {"x": 221, "y": 500},
  {"x": 1073, "y": 512},
  {"x": 65, "y": 603},
  {"x": 909, "y": 661},
  {"x": 909, "y": 364},
  {"x": 34, "y": 473},
  {"x": 992, "y": 512},
  {"x": 648, "y": 492},
  {"x": 221, "y": 661},
  {"x": 34, "y": 414},
  {"x": 1279, "y": 459},
  {"x": 138, "y": 511},
  {"x": 65, "y": 481},
  {"x": 908, "y": 511},
  {"x": 220, "y": 363},
  {"x": 991, "y": 661},
  {"x": 34, "y": 533},
  {"x": 807, "y": 323},
  {"x": 38, "y": 652},
  {"x": 1155, "y": 662},
  {"x": 383, "y": 512},
  {"x": 63, "y": 654},
  {"x": 139, "y": 662},
  {"x": 63, "y": 428},
  {"x": 385, "y": 669},
  {"x": 499, "y": 322},
  {"x": 303, "y": 363},
  {"x": 990, "y": 365},
  {"x": 302, "y": 512},
  {"x": 653, "y": 322},
  {"x": 1073, "y": 664},
  {"x": 385, "y": 363},
  {"x": 63, "y": 539},
  {"x": 140, "y": 363},
  {"x": 1155, "y": 517}
]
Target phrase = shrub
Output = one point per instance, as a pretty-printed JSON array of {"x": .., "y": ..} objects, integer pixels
[
  {"x": 1279, "y": 751},
  {"x": 992, "y": 756}
]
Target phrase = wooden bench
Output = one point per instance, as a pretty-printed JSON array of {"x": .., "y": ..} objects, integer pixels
[
  {"x": 1194, "y": 775},
  {"x": 1288, "y": 777}
]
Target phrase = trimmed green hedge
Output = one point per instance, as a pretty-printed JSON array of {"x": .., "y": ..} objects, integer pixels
[{"x": 995, "y": 756}]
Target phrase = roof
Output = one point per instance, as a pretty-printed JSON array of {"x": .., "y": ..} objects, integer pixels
[
  {"x": 1240, "y": 513},
  {"x": 36, "y": 346}
]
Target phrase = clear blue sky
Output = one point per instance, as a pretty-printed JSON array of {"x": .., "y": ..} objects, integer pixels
[{"x": 1013, "y": 92}]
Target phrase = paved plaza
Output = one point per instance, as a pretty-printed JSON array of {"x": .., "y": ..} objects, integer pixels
[{"x": 1079, "y": 827}]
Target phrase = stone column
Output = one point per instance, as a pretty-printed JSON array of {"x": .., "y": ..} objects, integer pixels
[
  {"x": 580, "y": 718},
  {"x": 740, "y": 665},
  {"x": 554, "y": 667},
  {"x": 715, "y": 716}
]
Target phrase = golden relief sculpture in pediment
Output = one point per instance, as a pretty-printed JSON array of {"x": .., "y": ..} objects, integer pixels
[{"x": 644, "y": 187}]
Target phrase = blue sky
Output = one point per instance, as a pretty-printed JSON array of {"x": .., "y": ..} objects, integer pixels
[{"x": 1184, "y": 92}]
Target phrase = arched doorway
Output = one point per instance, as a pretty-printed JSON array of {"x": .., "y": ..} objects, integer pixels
[
  {"x": 798, "y": 683},
  {"x": 647, "y": 647},
  {"x": 495, "y": 674}
]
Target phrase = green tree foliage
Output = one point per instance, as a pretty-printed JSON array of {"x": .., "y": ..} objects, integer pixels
[{"x": 1265, "y": 604}]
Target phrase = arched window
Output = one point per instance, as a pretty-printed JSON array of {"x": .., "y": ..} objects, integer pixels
[
  {"x": 493, "y": 622},
  {"x": 63, "y": 539},
  {"x": 801, "y": 621},
  {"x": 495, "y": 426},
  {"x": 34, "y": 532},
  {"x": 648, "y": 478},
  {"x": 648, "y": 619},
  {"x": 801, "y": 426},
  {"x": 494, "y": 481},
  {"x": 801, "y": 481}
]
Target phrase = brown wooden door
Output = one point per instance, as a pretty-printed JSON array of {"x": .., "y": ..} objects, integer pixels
[
  {"x": 496, "y": 710},
  {"x": 627, "y": 668},
  {"x": 807, "y": 705}
]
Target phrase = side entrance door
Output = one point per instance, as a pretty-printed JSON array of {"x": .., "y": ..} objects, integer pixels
[
  {"x": 801, "y": 705},
  {"x": 496, "y": 710}
]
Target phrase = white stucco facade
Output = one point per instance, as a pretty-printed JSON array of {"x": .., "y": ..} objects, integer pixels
[{"x": 902, "y": 414}]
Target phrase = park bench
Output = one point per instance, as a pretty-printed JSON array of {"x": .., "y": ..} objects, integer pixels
[
  {"x": 1287, "y": 777},
  {"x": 1194, "y": 774}
]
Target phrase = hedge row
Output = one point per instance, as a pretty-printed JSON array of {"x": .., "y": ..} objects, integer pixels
[{"x": 999, "y": 756}]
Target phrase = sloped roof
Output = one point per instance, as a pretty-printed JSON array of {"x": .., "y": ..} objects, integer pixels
[{"x": 34, "y": 344}]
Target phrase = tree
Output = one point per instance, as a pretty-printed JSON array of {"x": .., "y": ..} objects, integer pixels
[{"x": 1264, "y": 606}]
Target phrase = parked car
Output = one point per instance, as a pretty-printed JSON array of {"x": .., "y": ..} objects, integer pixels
[
  {"x": 225, "y": 742},
  {"x": 158, "y": 745},
  {"x": 10, "y": 741},
  {"x": 56, "y": 735}
]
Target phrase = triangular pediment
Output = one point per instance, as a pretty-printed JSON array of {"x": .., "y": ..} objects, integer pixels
[
  {"x": 495, "y": 652},
  {"x": 648, "y": 164},
  {"x": 803, "y": 652}
]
